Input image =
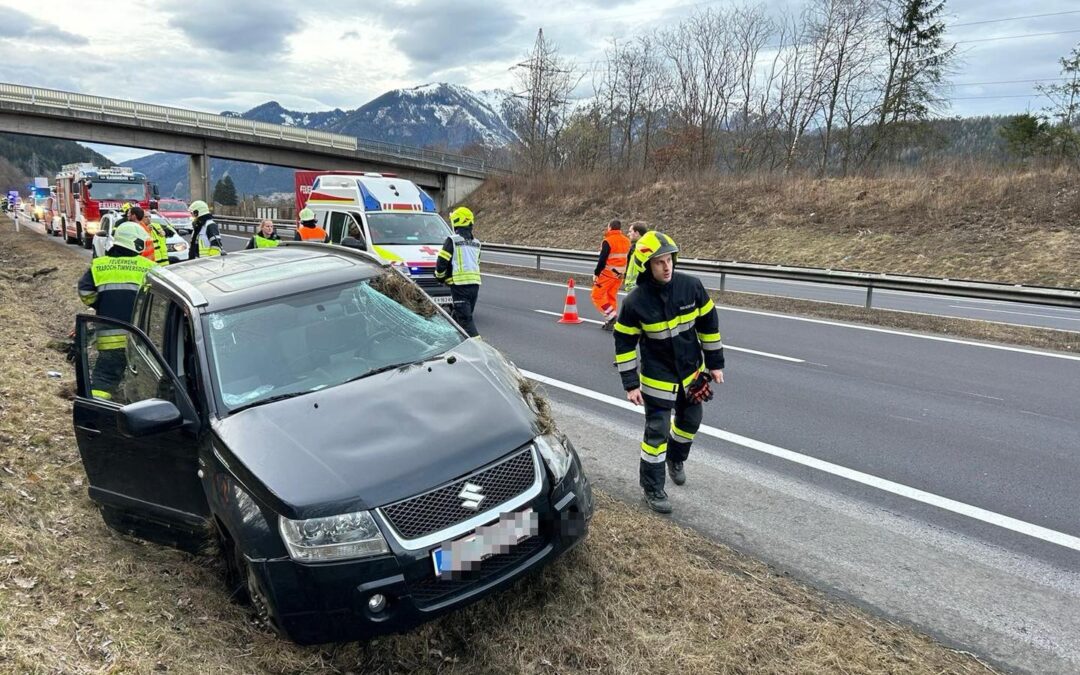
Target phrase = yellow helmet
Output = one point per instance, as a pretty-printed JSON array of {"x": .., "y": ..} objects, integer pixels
[
  {"x": 129, "y": 236},
  {"x": 307, "y": 215},
  {"x": 198, "y": 208},
  {"x": 461, "y": 217},
  {"x": 651, "y": 244}
]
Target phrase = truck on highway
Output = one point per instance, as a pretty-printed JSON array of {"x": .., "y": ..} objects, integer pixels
[
  {"x": 398, "y": 221},
  {"x": 85, "y": 192}
]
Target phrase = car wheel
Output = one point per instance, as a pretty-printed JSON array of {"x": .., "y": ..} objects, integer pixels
[
  {"x": 64, "y": 231},
  {"x": 244, "y": 585},
  {"x": 87, "y": 242}
]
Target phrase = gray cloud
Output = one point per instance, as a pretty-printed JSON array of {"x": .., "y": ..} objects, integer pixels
[
  {"x": 19, "y": 25},
  {"x": 351, "y": 35},
  {"x": 436, "y": 36},
  {"x": 241, "y": 27}
]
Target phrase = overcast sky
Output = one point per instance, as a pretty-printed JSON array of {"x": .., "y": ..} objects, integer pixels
[{"x": 215, "y": 55}]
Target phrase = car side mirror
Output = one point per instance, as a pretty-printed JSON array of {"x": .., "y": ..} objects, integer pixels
[{"x": 146, "y": 418}]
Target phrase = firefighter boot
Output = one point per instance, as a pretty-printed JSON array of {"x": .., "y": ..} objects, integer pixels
[
  {"x": 676, "y": 471},
  {"x": 657, "y": 501}
]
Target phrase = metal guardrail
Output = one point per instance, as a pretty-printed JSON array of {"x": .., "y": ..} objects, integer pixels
[
  {"x": 145, "y": 111},
  {"x": 985, "y": 290}
]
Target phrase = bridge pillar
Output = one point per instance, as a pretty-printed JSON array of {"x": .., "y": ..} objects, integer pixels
[
  {"x": 458, "y": 188},
  {"x": 199, "y": 177}
]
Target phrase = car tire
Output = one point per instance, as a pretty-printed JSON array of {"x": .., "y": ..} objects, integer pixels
[
  {"x": 64, "y": 231},
  {"x": 87, "y": 242},
  {"x": 244, "y": 585}
]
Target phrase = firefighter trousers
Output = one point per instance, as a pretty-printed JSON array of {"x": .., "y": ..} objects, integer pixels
[
  {"x": 666, "y": 439},
  {"x": 605, "y": 294},
  {"x": 464, "y": 297}
]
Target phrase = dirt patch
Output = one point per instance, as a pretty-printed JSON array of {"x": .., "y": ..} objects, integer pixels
[
  {"x": 1015, "y": 226},
  {"x": 1040, "y": 338},
  {"x": 640, "y": 595}
]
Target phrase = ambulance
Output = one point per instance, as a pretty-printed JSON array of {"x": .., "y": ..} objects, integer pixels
[{"x": 398, "y": 221}]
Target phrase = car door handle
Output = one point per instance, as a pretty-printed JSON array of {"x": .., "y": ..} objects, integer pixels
[{"x": 90, "y": 430}]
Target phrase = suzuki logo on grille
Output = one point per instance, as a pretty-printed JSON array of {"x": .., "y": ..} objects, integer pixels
[{"x": 471, "y": 496}]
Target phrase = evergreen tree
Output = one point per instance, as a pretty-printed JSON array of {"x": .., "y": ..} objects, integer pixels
[
  {"x": 1026, "y": 135},
  {"x": 225, "y": 192}
]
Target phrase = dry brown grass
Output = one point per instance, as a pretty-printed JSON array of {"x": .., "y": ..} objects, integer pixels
[
  {"x": 1021, "y": 227},
  {"x": 641, "y": 595},
  {"x": 1041, "y": 338}
]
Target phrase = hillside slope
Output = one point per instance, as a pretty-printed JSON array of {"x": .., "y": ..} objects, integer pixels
[
  {"x": 1008, "y": 226},
  {"x": 21, "y": 156}
]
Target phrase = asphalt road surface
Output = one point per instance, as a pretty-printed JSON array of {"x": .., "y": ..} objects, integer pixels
[
  {"x": 932, "y": 479},
  {"x": 1021, "y": 314}
]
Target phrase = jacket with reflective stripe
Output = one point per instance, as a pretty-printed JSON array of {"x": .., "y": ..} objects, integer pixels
[
  {"x": 110, "y": 287},
  {"x": 305, "y": 233},
  {"x": 675, "y": 328},
  {"x": 206, "y": 239},
  {"x": 161, "y": 246},
  {"x": 259, "y": 241},
  {"x": 631, "y": 274},
  {"x": 613, "y": 253},
  {"x": 459, "y": 261}
]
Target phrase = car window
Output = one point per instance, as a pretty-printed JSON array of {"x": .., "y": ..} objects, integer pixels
[
  {"x": 407, "y": 227},
  {"x": 123, "y": 368},
  {"x": 319, "y": 339},
  {"x": 155, "y": 322},
  {"x": 338, "y": 225}
]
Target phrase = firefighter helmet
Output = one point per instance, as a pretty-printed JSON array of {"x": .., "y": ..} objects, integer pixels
[
  {"x": 461, "y": 217},
  {"x": 307, "y": 216},
  {"x": 652, "y": 244},
  {"x": 130, "y": 236},
  {"x": 198, "y": 208}
]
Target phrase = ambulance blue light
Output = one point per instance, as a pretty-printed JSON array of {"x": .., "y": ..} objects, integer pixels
[
  {"x": 427, "y": 202},
  {"x": 370, "y": 203}
]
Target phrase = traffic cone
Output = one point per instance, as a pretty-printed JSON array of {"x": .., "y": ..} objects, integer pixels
[{"x": 569, "y": 314}]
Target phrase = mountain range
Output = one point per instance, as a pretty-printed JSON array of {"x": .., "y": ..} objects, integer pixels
[{"x": 441, "y": 116}]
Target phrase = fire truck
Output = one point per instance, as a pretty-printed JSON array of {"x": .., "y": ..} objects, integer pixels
[{"x": 85, "y": 192}]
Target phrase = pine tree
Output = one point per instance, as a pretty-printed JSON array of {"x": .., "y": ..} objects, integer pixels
[{"x": 225, "y": 192}]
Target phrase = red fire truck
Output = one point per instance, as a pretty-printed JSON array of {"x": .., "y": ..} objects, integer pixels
[{"x": 85, "y": 192}]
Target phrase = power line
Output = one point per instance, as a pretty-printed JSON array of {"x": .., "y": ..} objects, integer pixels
[
  {"x": 979, "y": 84},
  {"x": 1014, "y": 18},
  {"x": 1016, "y": 37}
]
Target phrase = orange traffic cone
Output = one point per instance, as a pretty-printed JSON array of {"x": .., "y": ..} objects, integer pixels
[{"x": 569, "y": 314}]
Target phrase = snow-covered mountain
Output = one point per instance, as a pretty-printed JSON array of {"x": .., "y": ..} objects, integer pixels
[{"x": 447, "y": 117}]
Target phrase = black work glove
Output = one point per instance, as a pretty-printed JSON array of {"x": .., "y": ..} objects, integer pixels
[{"x": 700, "y": 390}]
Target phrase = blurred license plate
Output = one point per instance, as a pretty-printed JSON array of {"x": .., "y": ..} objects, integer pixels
[
  {"x": 443, "y": 300},
  {"x": 465, "y": 554}
]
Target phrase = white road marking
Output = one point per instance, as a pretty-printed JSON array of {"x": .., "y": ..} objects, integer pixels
[
  {"x": 1005, "y": 311},
  {"x": 825, "y": 322},
  {"x": 914, "y": 494},
  {"x": 727, "y": 347}
]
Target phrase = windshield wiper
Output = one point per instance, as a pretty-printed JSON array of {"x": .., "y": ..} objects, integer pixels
[
  {"x": 395, "y": 366},
  {"x": 271, "y": 399}
]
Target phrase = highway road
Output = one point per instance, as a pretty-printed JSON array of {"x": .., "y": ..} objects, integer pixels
[
  {"x": 932, "y": 479},
  {"x": 1020, "y": 314}
]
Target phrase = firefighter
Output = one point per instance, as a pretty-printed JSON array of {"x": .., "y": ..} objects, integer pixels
[
  {"x": 607, "y": 277},
  {"x": 205, "y": 235},
  {"x": 671, "y": 320},
  {"x": 110, "y": 286},
  {"x": 459, "y": 266},
  {"x": 265, "y": 237},
  {"x": 159, "y": 234},
  {"x": 637, "y": 231},
  {"x": 309, "y": 229}
]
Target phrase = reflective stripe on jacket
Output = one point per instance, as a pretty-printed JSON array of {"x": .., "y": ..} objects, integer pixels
[
  {"x": 675, "y": 328},
  {"x": 459, "y": 261},
  {"x": 631, "y": 274},
  {"x": 110, "y": 287},
  {"x": 264, "y": 242},
  {"x": 207, "y": 239},
  {"x": 161, "y": 246},
  {"x": 305, "y": 233}
]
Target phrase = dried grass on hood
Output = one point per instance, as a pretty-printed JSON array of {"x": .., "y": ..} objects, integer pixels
[
  {"x": 397, "y": 288},
  {"x": 540, "y": 405}
]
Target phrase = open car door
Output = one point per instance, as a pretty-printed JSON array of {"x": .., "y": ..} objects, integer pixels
[{"x": 137, "y": 432}]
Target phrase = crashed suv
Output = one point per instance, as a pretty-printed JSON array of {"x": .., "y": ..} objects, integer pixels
[{"x": 361, "y": 464}]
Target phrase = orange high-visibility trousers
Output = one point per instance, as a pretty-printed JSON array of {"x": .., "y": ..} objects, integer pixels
[{"x": 605, "y": 294}]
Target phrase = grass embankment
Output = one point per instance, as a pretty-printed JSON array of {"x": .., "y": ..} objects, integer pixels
[
  {"x": 1040, "y": 338},
  {"x": 641, "y": 595},
  {"x": 1019, "y": 227}
]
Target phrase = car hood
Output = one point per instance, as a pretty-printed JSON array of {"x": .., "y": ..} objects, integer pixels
[{"x": 380, "y": 439}]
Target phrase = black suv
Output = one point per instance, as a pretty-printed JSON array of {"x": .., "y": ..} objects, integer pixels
[{"x": 361, "y": 463}]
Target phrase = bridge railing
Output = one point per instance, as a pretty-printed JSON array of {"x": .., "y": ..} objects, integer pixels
[
  {"x": 985, "y": 290},
  {"x": 179, "y": 116}
]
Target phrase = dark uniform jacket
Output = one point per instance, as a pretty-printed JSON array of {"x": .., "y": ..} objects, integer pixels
[{"x": 676, "y": 329}]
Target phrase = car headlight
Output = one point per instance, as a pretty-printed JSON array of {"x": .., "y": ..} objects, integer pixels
[
  {"x": 350, "y": 535},
  {"x": 176, "y": 248},
  {"x": 92, "y": 226},
  {"x": 555, "y": 453}
]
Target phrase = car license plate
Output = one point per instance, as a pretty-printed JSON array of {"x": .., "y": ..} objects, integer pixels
[
  {"x": 466, "y": 554},
  {"x": 443, "y": 299}
]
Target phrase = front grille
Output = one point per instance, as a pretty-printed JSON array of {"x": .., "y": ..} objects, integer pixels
[
  {"x": 432, "y": 589},
  {"x": 441, "y": 508}
]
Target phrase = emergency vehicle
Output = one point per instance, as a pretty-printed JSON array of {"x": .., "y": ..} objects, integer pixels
[
  {"x": 397, "y": 219},
  {"x": 85, "y": 192}
]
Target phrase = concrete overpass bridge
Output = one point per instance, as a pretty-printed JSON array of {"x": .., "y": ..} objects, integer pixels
[{"x": 81, "y": 117}]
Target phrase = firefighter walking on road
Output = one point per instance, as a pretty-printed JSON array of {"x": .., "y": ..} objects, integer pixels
[
  {"x": 459, "y": 266},
  {"x": 109, "y": 287},
  {"x": 206, "y": 235},
  {"x": 671, "y": 320},
  {"x": 607, "y": 277},
  {"x": 637, "y": 231}
]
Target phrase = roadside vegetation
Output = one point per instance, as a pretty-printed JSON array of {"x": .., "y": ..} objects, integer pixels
[{"x": 640, "y": 595}]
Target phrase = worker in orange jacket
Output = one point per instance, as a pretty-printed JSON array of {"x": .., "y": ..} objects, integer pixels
[{"x": 607, "y": 277}]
